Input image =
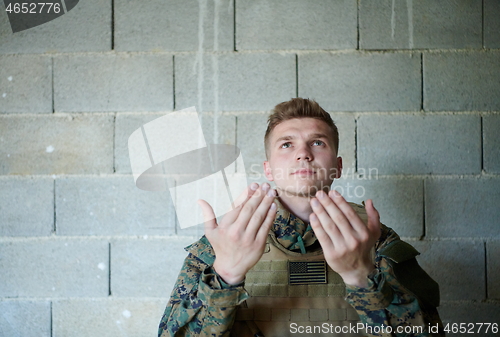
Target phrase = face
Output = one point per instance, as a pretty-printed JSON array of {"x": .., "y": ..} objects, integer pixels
[{"x": 302, "y": 157}]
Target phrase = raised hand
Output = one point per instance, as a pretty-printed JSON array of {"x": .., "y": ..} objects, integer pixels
[
  {"x": 239, "y": 240},
  {"x": 346, "y": 241}
]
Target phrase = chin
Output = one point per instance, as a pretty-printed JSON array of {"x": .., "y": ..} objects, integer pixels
[{"x": 304, "y": 190}]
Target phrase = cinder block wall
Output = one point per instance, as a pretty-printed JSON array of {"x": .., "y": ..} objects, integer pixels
[{"x": 413, "y": 85}]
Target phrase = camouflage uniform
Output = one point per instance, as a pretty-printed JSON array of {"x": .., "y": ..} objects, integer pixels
[{"x": 399, "y": 292}]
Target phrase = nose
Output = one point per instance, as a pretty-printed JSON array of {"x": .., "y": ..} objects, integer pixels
[{"x": 304, "y": 153}]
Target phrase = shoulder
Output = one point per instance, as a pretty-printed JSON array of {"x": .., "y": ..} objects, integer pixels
[{"x": 387, "y": 235}]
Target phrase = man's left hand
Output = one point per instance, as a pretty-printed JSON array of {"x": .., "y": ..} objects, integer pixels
[{"x": 345, "y": 239}]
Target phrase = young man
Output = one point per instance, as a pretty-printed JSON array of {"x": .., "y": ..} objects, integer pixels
[{"x": 300, "y": 260}]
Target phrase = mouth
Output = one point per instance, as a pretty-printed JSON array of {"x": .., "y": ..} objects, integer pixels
[{"x": 304, "y": 172}]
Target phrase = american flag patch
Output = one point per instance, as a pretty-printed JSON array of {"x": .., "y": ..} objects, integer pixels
[{"x": 306, "y": 272}]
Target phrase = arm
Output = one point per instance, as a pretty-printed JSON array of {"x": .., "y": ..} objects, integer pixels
[
  {"x": 399, "y": 293},
  {"x": 209, "y": 286},
  {"x": 372, "y": 286},
  {"x": 201, "y": 304}
]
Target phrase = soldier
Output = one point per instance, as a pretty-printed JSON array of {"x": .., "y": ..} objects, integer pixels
[{"x": 299, "y": 260}]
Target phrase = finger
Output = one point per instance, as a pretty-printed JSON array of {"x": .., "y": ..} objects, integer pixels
[
  {"x": 251, "y": 205},
  {"x": 331, "y": 209},
  {"x": 238, "y": 204},
  {"x": 353, "y": 221},
  {"x": 208, "y": 215},
  {"x": 323, "y": 237},
  {"x": 245, "y": 195},
  {"x": 260, "y": 214},
  {"x": 373, "y": 218},
  {"x": 266, "y": 225},
  {"x": 326, "y": 222}
]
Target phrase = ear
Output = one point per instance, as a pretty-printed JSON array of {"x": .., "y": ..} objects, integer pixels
[
  {"x": 339, "y": 168},
  {"x": 268, "y": 172}
]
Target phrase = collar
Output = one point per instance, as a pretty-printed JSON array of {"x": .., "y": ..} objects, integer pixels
[{"x": 290, "y": 231}]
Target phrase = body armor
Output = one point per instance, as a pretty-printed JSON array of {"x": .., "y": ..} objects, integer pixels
[{"x": 292, "y": 293}]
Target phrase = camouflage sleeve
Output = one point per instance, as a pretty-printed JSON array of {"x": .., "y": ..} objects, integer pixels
[
  {"x": 387, "y": 306},
  {"x": 201, "y": 304}
]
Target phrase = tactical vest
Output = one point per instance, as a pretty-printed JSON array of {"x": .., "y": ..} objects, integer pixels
[
  {"x": 294, "y": 294},
  {"x": 292, "y": 291}
]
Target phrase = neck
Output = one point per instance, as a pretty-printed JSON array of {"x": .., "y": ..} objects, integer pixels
[{"x": 299, "y": 205}]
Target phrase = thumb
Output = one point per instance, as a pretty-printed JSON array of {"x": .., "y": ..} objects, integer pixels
[
  {"x": 373, "y": 217},
  {"x": 208, "y": 215}
]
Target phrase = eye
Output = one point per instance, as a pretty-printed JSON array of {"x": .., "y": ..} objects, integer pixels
[
  {"x": 318, "y": 143},
  {"x": 285, "y": 145}
]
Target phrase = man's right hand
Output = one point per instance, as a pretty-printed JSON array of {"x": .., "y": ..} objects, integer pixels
[{"x": 239, "y": 240}]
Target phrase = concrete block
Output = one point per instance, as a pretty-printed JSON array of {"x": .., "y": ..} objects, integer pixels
[
  {"x": 234, "y": 82},
  {"x": 146, "y": 267},
  {"x": 420, "y": 24},
  {"x": 462, "y": 207},
  {"x": 491, "y": 24},
  {"x": 458, "y": 267},
  {"x": 420, "y": 144},
  {"x": 174, "y": 25},
  {"x": 399, "y": 201},
  {"x": 216, "y": 130},
  {"x": 125, "y": 125},
  {"x": 491, "y": 142},
  {"x": 251, "y": 129},
  {"x": 54, "y": 268},
  {"x": 113, "y": 82},
  {"x": 302, "y": 25},
  {"x": 346, "y": 126},
  {"x": 25, "y": 83},
  {"x": 25, "y": 318},
  {"x": 26, "y": 206},
  {"x": 86, "y": 27},
  {"x": 219, "y": 129},
  {"x": 111, "y": 206},
  {"x": 195, "y": 232},
  {"x": 460, "y": 81},
  {"x": 493, "y": 267},
  {"x": 56, "y": 144},
  {"x": 470, "y": 312},
  {"x": 361, "y": 82},
  {"x": 107, "y": 317}
]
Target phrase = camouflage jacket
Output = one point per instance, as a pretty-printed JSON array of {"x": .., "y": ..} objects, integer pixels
[{"x": 399, "y": 294}]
